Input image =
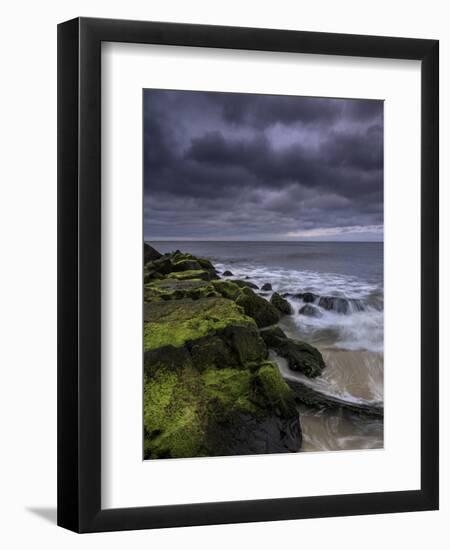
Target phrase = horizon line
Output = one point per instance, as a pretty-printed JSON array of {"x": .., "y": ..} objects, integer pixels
[{"x": 146, "y": 239}]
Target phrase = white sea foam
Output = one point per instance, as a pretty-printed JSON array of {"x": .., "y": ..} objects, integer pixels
[{"x": 357, "y": 330}]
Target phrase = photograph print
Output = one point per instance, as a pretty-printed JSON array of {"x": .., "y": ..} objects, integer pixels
[{"x": 263, "y": 274}]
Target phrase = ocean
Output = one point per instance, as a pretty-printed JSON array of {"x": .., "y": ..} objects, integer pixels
[{"x": 347, "y": 278}]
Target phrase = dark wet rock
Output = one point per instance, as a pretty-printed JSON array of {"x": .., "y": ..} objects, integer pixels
[
  {"x": 330, "y": 303},
  {"x": 340, "y": 305},
  {"x": 243, "y": 434},
  {"x": 310, "y": 311},
  {"x": 227, "y": 273},
  {"x": 312, "y": 397},
  {"x": 273, "y": 336},
  {"x": 307, "y": 297},
  {"x": 162, "y": 265},
  {"x": 300, "y": 356},
  {"x": 266, "y": 286},
  {"x": 150, "y": 253},
  {"x": 356, "y": 305},
  {"x": 245, "y": 283},
  {"x": 281, "y": 304}
]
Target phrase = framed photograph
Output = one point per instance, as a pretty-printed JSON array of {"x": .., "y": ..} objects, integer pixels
[{"x": 248, "y": 275}]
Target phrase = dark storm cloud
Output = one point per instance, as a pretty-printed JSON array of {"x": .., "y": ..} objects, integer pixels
[{"x": 224, "y": 166}]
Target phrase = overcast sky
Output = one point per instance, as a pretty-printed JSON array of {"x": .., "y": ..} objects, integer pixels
[{"x": 225, "y": 166}]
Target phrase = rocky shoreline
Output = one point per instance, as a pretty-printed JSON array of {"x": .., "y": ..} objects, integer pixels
[{"x": 209, "y": 386}]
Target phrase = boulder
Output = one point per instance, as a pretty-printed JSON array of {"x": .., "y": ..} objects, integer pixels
[
  {"x": 176, "y": 289},
  {"x": 178, "y": 323},
  {"x": 192, "y": 274},
  {"x": 227, "y": 289},
  {"x": 281, "y": 304},
  {"x": 273, "y": 336},
  {"x": 186, "y": 265},
  {"x": 332, "y": 303},
  {"x": 341, "y": 305},
  {"x": 300, "y": 356},
  {"x": 256, "y": 307},
  {"x": 208, "y": 387},
  {"x": 227, "y": 273},
  {"x": 150, "y": 253},
  {"x": 245, "y": 283},
  {"x": 266, "y": 286},
  {"x": 310, "y": 311},
  {"x": 307, "y": 297},
  {"x": 178, "y": 262},
  {"x": 315, "y": 398},
  {"x": 259, "y": 309},
  {"x": 219, "y": 412}
]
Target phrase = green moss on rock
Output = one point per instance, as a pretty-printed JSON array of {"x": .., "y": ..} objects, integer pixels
[
  {"x": 193, "y": 274},
  {"x": 157, "y": 266},
  {"x": 190, "y": 413},
  {"x": 176, "y": 322},
  {"x": 281, "y": 304},
  {"x": 264, "y": 313},
  {"x": 243, "y": 284},
  {"x": 227, "y": 289},
  {"x": 175, "y": 289},
  {"x": 173, "y": 426},
  {"x": 275, "y": 389},
  {"x": 209, "y": 389},
  {"x": 300, "y": 356},
  {"x": 204, "y": 333}
]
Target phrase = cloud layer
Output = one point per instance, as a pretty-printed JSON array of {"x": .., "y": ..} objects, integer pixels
[{"x": 256, "y": 167}]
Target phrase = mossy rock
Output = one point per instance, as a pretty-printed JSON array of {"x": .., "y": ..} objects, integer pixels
[
  {"x": 186, "y": 265},
  {"x": 206, "y": 264},
  {"x": 216, "y": 412},
  {"x": 157, "y": 267},
  {"x": 300, "y": 356},
  {"x": 273, "y": 336},
  {"x": 178, "y": 321},
  {"x": 209, "y": 389},
  {"x": 256, "y": 307},
  {"x": 198, "y": 274},
  {"x": 227, "y": 289},
  {"x": 247, "y": 284},
  {"x": 281, "y": 304},
  {"x": 203, "y": 333},
  {"x": 176, "y": 289},
  {"x": 263, "y": 312}
]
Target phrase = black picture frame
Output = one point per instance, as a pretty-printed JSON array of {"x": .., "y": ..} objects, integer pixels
[{"x": 79, "y": 274}]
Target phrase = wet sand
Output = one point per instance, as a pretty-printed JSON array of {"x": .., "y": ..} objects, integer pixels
[{"x": 356, "y": 376}]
